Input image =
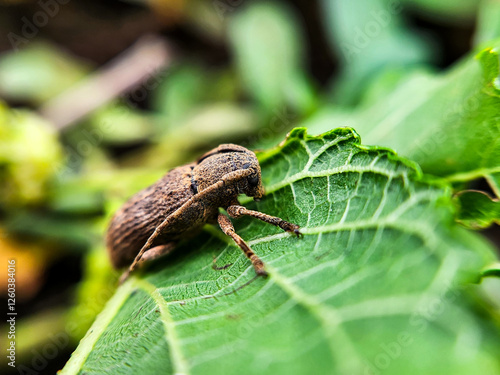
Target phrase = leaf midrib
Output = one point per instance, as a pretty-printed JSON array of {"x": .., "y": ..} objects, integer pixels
[{"x": 179, "y": 362}]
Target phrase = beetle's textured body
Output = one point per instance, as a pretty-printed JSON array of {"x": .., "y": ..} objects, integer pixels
[
  {"x": 153, "y": 220},
  {"x": 136, "y": 221}
]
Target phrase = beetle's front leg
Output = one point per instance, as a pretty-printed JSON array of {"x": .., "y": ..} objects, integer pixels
[
  {"x": 237, "y": 211},
  {"x": 227, "y": 227}
]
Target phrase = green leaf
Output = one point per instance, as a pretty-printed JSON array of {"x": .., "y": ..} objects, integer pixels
[
  {"x": 371, "y": 38},
  {"x": 38, "y": 73},
  {"x": 448, "y": 123},
  {"x": 488, "y": 27},
  {"x": 490, "y": 62},
  {"x": 268, "y": 48},
  {"x": 477, "y": 209},
  {"x": 374, "y": 286}
]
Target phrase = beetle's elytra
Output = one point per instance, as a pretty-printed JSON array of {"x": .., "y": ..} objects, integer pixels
[{"x": 150, "y": 223}]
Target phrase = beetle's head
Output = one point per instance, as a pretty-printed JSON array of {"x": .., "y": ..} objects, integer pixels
[
  {"x": 234, "y": 164},
  {"x": 251, "y": 184}
]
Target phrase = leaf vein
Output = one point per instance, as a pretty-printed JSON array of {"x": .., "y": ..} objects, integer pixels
[{"x": 179, "y": 362}]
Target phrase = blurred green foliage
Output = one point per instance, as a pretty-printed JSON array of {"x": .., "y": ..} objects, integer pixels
[
  {"x": 38, "y": 73},
  {"x": 267, "y": 42},
  {"x": 477, "y": 210},
  {"x": 30, "y": 156}
]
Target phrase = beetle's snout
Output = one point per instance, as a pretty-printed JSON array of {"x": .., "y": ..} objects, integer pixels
[
  {"x": 259, "y": 193},
  {"x": 256, "y": 192}
]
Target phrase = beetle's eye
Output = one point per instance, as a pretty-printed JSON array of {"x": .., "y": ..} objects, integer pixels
[{"x": 253, "y": 180}]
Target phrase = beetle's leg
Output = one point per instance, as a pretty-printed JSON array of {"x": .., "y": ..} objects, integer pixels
[
  {"x": 150, "y": 254},
  {"x": 237, "y": 211},
  {"x": 158, "y": 231},
  {"x": 227, "y": 227},
  {"x": 157, "y": 252}
]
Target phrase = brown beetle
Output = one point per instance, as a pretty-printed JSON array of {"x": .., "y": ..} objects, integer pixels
[{"x": 150, "y": 224}]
